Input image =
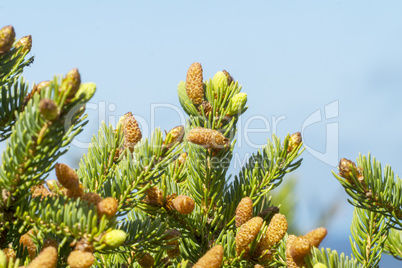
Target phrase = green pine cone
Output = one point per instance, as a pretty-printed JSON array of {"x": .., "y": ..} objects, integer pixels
[
  {"x": 86, "y": 92},
  {"x": 115, "y": 238},
  {"x": 220, "y": 81},
  {"x": 237, "y": 103}
]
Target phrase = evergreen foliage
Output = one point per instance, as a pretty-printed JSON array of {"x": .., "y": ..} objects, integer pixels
[{"x": 167, "y": 200}]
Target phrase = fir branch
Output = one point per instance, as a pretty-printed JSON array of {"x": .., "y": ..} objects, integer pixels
[
  {"x": 393, "y": 244},
  {"x": 369, "y": 231}
]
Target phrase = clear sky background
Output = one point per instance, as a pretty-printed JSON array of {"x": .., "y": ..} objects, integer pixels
[{"x": 293, "y": 58}]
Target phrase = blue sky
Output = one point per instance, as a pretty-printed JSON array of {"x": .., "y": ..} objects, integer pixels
[{"x": 293, "y": 58}]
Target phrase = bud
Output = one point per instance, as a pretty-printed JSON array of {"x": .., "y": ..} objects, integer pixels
[
  {"x": 212, "y": 259},
  {"x": 80, "y": 259},
  {"x": 206, "y": 106},
  {"x": 92, "y": 198},
  {"x": 86, "y": 91},
  {"x": 115, "y": 238},
  {"x": 46, "y": 259},
  {"x": 146, "y": 261},
  {"x": 319, "y": 265},
  {"x": 246, "y": 234},
  {"x": 49, "y": 109},
  {"x": 3, "y": 260},
  {"x": 67, "y": 176},
  {"x": 294, "y": 141},
  {"x": 108, "y": 207},
  {"x": 132, "y": 132},
  {"x": 27, "y": 242},
  {"x": 7, "y": 37},
  {"x": 316, "y": 236},
  {"x": 220, "y": 81},
  {"x": 237, "y": 103},
  {"x": 25, "y": 43},
  {"x": 183, "y": 204},
  {"x": 71, "y": 83},
  {"x": 345, "y": 169},
  {"x": 36, "y": 89},
  {"x": 174, "y": 252},
  {"x": 244, "y": 211},
  {"x": 176, "y": 136},
  {"x": 154, "y": 196},
  {"x": 194, "y": 84},
  {"x": 229, "y": 77},
  {"x": 207, "y": 138}
]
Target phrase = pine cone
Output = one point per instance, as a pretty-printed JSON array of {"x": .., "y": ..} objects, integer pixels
[
  {"x": 75, "y": 192},
  {"x": 277, "y": 229},
  {"x": 49, "y": 109},
  {"x": 146, "y": 261},
  {"x": 27, "y": 242},
  {"x": 244, "y": 211},
  {"x": 154, "y": 197},
  {"x": 50, "y": 243},
  {"x": 316, "y": 236},
  {"x": 206, "y": 106},
  {"x": 176, "y": 136},
  {"x": 212, "y": 259},
  {"x": 207, "y": 138},
  {"x": 296, "y": 249},
  {"x": 246, "y": 234},
  {"x": 25, "y": 43},
  {"x": 115, "y": 238},
  {"x": 72, "y": 82},
  {"x": 92, "y": 198},
  {"x": 46, "y": 259},
  {"x": 67, "y": 176},
  {"x": 194, "y": 84},
  {"x": 7, "y": 37},
  {"x": 131, "y": 129},
  {"x": 80, "y": 259},
  {"x": 294, "y": 141},
  {"x": 345, "y": 169},
  {"x": 184, "y": 204},
  {"x": 108, "y": 207}
]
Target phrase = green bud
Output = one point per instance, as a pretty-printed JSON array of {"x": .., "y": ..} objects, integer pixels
[
  {"x": 26, "y": 43},
  {"x": 49, "y": 109},
  {"x": 3, "y": 259},
  {"x": 115, "y": 238},
  {"x": 237, "y": 103},
  {"x": 86, "y": 91},
  {"x": 7, "y": 37},
  {"x": 71, "y": 82},
  {"x": 319, "y": 265},
  {"x": 220, "y": 81}
]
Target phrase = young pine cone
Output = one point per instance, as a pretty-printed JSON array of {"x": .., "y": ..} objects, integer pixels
[
  {"x": 146, "y": 261},
  {"x": 9, "y": 254},
  {"x": 25, "y": 44},
  {"x": 246, "y": 234},
  {"x": 206, "y": 106},
  {"x": 296, "y": 249},
  {"x": 46, "y": 259},
  {"x": 80, "y": 259},
  {"x": 27, "y": 242},
  {"x": 346, "y": 168},
  {"x": 7, "y": 37},
  {"x": 277, "y": 229},
  {"x": 49, "y": 109},
  {"x": 194, "y": 84},
  {"x": 75, "y": 192},
  {"x": 131, "y": 130},
  {"x": 176, "y": 136},
  {"x": 108, "y": 207},
  {"x": 294, "y": 141},
  {"x": 244, "y": 211},
  {"x": 207, "y": 138},
  {"x": 212, "y": 259},
  {"x": 154, "y": 197},
  {"x": 184, "y": 204},
  {"x": 71, "y": 82},
  {"x": 67, "y": 176},
  {"x": 92, "y": 198},
  {"x": 316, "y": 236}
]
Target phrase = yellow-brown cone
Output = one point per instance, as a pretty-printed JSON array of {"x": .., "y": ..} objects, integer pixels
[
  {"x": 46, "y": 259},
  {"x": 25, "y": 43},
  {"x": 244, "y": 211},
  {"x": 206, "y": 106},
  {"x": 146, "y": 261},
  {"x": 176, "y": 136},
  {"x": 67, "y": 176},
  {"x": 183, "y": 204},
  {"x": 131, "y": 129},
  {"x": 296, "y": 249},
  {"x": 194, "y": 84},
  {"x": 212, "y": 259},
  {"x": 71, "y": 82},
  {"x": 275, "y": 232},
  {"x": 9, "y": 253},
  {"x": 207, "y": 138},
  {"x": 7, "y": 37},
  {"x": 49, "y": 109},
  {"x": 154, "y": 197},
  {"x": 246, "y": 234},
  {"x": 294, "y": 141},
  {"x": 80, "y": 259},
  {"x": 92, "y": 198},
  {"x": 316, "y": 236},
  {"x": 27, "y": 242},
  {"x": 108, "y": 207},
  {"x": 345, "y": 169}
]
